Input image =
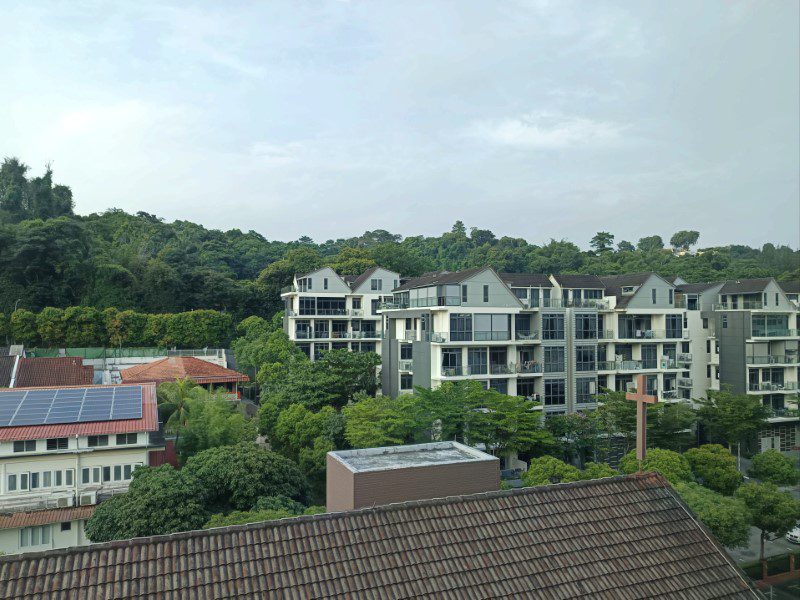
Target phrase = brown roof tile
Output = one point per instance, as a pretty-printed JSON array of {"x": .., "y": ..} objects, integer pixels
[
  {"x": 622, "y": 537},
  {"x": 181, "y": 367},
  {"x": 45, "y": 372},
  {"x": 43, "y": 517}
]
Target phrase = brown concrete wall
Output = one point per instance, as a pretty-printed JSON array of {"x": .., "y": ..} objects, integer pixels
[
  {"x": 419, "y": 483},
  {"x": 338, "y": 486}
]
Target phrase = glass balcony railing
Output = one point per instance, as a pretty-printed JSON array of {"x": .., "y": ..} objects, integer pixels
[
  {"x": 605, "y": 334},
  {"x": 685, "y": 358},
  {"x": 501, "y": 369},
  {"x": 669, "y": 394},
  {"x": 768, "y": 386},
  {"x": 780, "y": 359},
  {"x": 405, "y": 364},
  {"x": 455, "y": 371},
  {"x": 653, "y": 334},
  {"x": 685, "y": 382},
  {"x": 435, "y": 337},
  {"x": 434, "y": 301},
  {"x": 740, "y": 305},
  {"x": 621, "y": 365},
  {"x": 774, "y": 332},
  {"x": 392, "y": 305},
  {"x": 526, "y": 335},
  {"x": 491, "y": 336},
  {"x": 528, "y": 367},
  {"x": 288, "y": 288}
]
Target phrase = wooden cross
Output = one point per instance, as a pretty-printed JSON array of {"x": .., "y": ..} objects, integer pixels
[{"x": 642, "y": 400}]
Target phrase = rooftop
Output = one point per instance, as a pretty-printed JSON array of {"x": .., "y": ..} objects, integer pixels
[
  {"x": 401, "y": 457},
  {"x": 745, "y": 286},
  {"x": 181, "y": 367},
  {"x": 439, "y": 278},
  {"x": 790, "y": 287},
  {"x": 43, "y": 517},
  {"x": 43, "y": 372},
  {"x": 6, "y": 370},
  {"x": 591, "y": 282},
  {"x": 607, "y": 538},
  {"x": 526, "y": 280}
]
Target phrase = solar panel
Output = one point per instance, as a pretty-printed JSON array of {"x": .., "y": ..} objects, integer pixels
[{"x": 73, "y": 405}]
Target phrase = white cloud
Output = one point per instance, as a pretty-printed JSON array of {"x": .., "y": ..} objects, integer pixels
[{"x": 546, "y": 130}]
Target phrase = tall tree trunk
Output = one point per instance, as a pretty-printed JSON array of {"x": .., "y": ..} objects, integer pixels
[{"x": 739, "y": 461}]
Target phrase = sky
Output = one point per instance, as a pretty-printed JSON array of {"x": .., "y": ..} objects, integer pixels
[{"x": 534, "y": 119}]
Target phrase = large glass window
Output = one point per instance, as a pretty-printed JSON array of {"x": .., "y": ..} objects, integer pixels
[
  {"x": 526, "y": 387},
  {"x": 406, "y": 351},
  {"x": 649, "y": 356},
  {"x": 553, "y": 327},
  {"x": 585, "y": 390},
  {"x": 406, "y": 381},
  {"x": 308, "y": 306},
  {"x": 492, "y": 327},
  {"x": 302, "y": 330},
  {"x": 585, "y": 358},
  {"x": 674, "y": 326},
  {"x": 554, "y": 392},
  {"x": 25, "y": 446},
  {"x": 321, "y": 329},
  {"x": 553, "y": 359},
  {"x": 522, "y": 325},
  {"x": 451, "y": 362},
  {"x": 478, "y": 361},
  {"x": 501, "y": 385},
  {"x": 585, "y": 327},
  {"x": 461, "y": 327}
]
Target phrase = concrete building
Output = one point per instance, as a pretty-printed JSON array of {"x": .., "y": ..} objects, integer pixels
[
  {"x": 325, "y": 311},
  {"x": 54, "y": 470}
]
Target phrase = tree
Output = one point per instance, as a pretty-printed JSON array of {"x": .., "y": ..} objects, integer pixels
[
  {"x": 770, "y": 510},
  {"x": 670, "y": 464},
  {"x": 727, "y": 518},
  {"x": 23, "y": 327},
  {"x": 651, "y": 243},
  {"x": 732, "y": 418},
  {"x": 173, "y": 403},
  {"x": 234, "y": 477},
  {"x": 714, "y": 465},
  {"x": 670, "y": 425},
  {"x": 160, "y": 500},
  {"x": 506, "y": 424},
  {"x": 50, "y": 326},
  {"x": 378, "y": 421},
  {"x": 211, "y": 422},
  {"x": 625, "y": 246},
  {"x": 352, "y": 261},
  {"x": 349, "y": 373},
  {"x": 548, "y": 469},
  {"x": 773, "y": 467},
  {"x": 603, "y": 241},
  {"x": 683, "y": 240},
  {"x": 593, "y": 470},
  {"x": 577, "y": 432}
]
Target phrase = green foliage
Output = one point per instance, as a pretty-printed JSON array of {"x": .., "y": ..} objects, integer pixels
[
  {"x": 772, "y": 511},
  {"x": 547, "y": 469},
  {"x": 378, "y": 421},
  {"x": 506, "y": 424},
  {"x": 670, "y": 464},
  {"x": 279, "y": 503},
  {"x": 727, "y": 518},
  {"x": 23, "y": 327},
  {"x": 594, "y": 470},
  {"x": 159, "y": 500},
  {"x": 603, "y": 241},
  {"x": 716, "y": 467},
  {"x": 240, "y": 517},
  {"x": 683, "y": 240},
  {"x": 732, "y": 418},
  {"x": 773, "y": 467}
]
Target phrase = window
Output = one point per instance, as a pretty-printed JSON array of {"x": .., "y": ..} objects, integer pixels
[
  {"x": 671, "y": 296},
  {"x": 552, "y": 327},
  {"x": 376, "y": 284},
  {"x": 324, "y": 283},
  {"x": 57, "y": 444},
  {"x": 585, "y": 327},
  {"x": 356, "y": 303},
  {"x": 47, "y": 479},
  {"x": 461, "y": 327},
  {"x": 406, "y": 381},
  {"x": 554, "y": 392},
  {"x": 34, "y": 536},
  {"x": 117, "y": 472},
  {"x": 25, "y": 446},
  {"x": 653, "y": 295},
  {"x": 451, "y": 362},
  {"x": 776, "y": 299},
  {"x": 585, "y": 358},
  {"x": 406, "y": 352},
  {"x": 12, "y": 483},
  {"x": 106, "y": 474},
  {"x": 395, "y": 284},
  {"x": 23, "y": 481},
  {"x": 126, "y": 438},
  {"x": 308, "y": 306},
  {"x": 649, "y": 356},
  {"x": 705, "y": 323},
  {"x": 375, "y": 306},
  {"x": 126, "y": 472},
  {"x": 86, "y": 475},
  {"x": 585, "y": 389},
  {"x": 553, "y": 359},
  {"x": 69, "y": 476},
  {"x": 628, "y": 289},
  {"x": 96, "y": 441},
  {"x": 34, "y": 481},
  {"x": 674, "y": 326},
  {"x": 724, "y": 321},
  {"x": 463, "y": 293},
  {"x": 486, "y": 293},
  {"x": 66, "y": 526},
  {"x": 59, "y": 478},
  {"x": 477, "y": 359},
  {"x": 708, "y": 371}
]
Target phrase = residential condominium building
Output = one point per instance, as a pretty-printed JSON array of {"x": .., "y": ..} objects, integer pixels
[
  {"x": 559, "y": 339},
  {"x": 63, "y": 450},
  {"x": 324, "y": 311}
]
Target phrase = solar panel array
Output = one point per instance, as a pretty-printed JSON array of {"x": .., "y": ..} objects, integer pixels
[{"x": 70, "y": 405}]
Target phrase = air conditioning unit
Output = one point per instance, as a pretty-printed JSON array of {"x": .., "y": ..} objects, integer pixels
[
  {"x": 65, "y": 502},
  {"x": 88, "y": 499}
]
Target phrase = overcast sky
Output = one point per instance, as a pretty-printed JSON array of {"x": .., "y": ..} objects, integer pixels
[{"x": 531, "y": 118}]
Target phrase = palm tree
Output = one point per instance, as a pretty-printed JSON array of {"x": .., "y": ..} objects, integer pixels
[{"x": 173, "y": 403}]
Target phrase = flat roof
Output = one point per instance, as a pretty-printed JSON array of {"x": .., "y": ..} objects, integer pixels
[{"x": 403, "y": 457}]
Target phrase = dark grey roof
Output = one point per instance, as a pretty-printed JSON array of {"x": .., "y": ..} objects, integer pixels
[
  {"x": 790, "y": 287},
  {"x": 357, "y": 281},
  {"x": 620, "y": 537},
  {"x": 745, "y": 286},
  {"x": 591, "y": 282},
  {"x": 615, "y": 283},
  {"x": 439, "y": 278},
  {"x": 5, "y": 350},
  {"x": 6, "y": 369},
  {"x": 526, "y": 280},
  {"x": 696, "y": 288}
]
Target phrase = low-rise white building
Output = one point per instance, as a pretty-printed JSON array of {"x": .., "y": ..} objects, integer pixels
[{"x": 63, "y": 450}]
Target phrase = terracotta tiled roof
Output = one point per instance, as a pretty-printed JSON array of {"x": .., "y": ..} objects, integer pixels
[
  {"x": 148, "y": 422},
  {"x": 43, "y": 517},
  {"x": 622, "y": 537},
  {"x": 46, "y": 372},
  {"x": 181, "y": 367}
]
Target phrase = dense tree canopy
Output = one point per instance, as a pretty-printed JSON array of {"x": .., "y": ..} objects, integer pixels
[{"x": 51, "y": 257}]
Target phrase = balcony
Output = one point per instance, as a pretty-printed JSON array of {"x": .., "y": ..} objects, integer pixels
[
  {"x": 774, "y": 332},
  {"x": 743, "y": 305},
  {"x": 392, "y": 305},
  {"x": 528, "y": 367},
  {"x": 491, "y": 336},
  {"x": 605, "y": 334},
  {"x": 782, "y": 413},
  {"x": 438, "y": 301},
  {"x": 455, "y": 371},
  {"x": 684, "y": 382},
  {"x": 525, "y": 335},
  {"x": 288, "y": 289},
  {"x": 501, "y": 369},
  {"x": 620, "y": 365},
  {"x": 768, "y": 386},
  {"x": 326, "y": 312},
  {"x": 405, "y": 364},
  {"x": 785, "y": 359},
  {"x": 669, "y": 395},
  {"x": 685, "y": 358},
  {"x": 654, "y": 334}
]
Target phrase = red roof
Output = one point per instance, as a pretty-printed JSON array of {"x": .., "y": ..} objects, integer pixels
[
  {"x": 47, "y": 372},
  {"x": 43, "y": 517},
  {"x": 148, "y": 422},
  {"x": 181, "y": 367}
]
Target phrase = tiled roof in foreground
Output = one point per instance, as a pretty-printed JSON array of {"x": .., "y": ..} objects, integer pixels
[{"x": 622, "y": 537}]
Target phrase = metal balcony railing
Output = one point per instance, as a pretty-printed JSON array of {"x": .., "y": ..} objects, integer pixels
[
  {"x": 669, "y": 394},
  {"x": 768, "y": 386},
  {"x": 778, "y": 359},
  {"x": 685, "y": 358},
  {"x": 774, "y": 332},
  {"x": 684, "y": 382},
  {"x": 526, "y": 335},
  {"x": 621, "y": 365},
  {"x": 491, "y": 336},
  {"x": 501, "y": 369},
  {"x": 528, "y": 367},
  {"x": 405, "y": 364}
]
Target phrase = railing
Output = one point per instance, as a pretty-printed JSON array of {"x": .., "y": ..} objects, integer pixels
[
  {"x": 668, "y": 363},
  {"x": 685, "y": 358},
  {"x": 621, "y": 365},
  {"x": 684, "y": 382},
  {"x": 680, "y": 302},
  {"x": 303, "y": 335},
  {"x": 782, "y": 412},
  {"x": 528, "y": 367},
  {"x": 605, "y": 334},
  {"x": 654, "y": 334},
  {"x": 435, "y": 337},
  {"x": 787, "y": 359},
  {"x": 774, "y": 333},
  {"x": 405, "y": 364},
  {"x": 669, "y": 394},
  {"x": 501, "y": 369},
  {"x": 437, "y": 301},
  {"x": 288, "y": 288},
  {"x": 392, "y": 305},
  {"x": 744, "y": 305},
  {"x": 491, "y": 336},
  {"x": 526, "y": 335},
  {"x": 768, "y": 386},
  {"x": 455, "y": 371},
  {"x": 326, "y": 312}
]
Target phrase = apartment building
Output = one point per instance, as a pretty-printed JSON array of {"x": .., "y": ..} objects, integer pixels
[
  {"x": 63, "y": 450},
  {"x": 324, "y": 311}
]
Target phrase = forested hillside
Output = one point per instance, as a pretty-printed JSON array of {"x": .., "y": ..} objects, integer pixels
[{"x": 52, "y": 257}]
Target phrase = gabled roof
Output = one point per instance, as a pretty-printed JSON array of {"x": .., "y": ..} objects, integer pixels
[
  {"x": 608, "y": 538},
  {"x": 6, "y": 370},
  {"x": 439, "y": 278},
  {"x": 591, "y": 282},
  {"x": 355, "y": 283},
  {"x": 44, "y": 517},
  {"x": 526, "y": 280},
  {"x": 745, "y": 286},
  {"x": 790, "y": 287},
  {"x": 57, "y": 371},
  {"x": 181, "y": 367},
  {"x": 615, "y": 283},
  {"x": 147, "y": 422},
  {"x": 696, "y": 288}
]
